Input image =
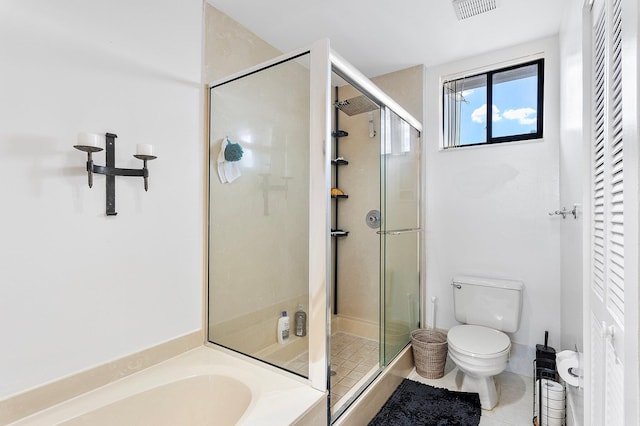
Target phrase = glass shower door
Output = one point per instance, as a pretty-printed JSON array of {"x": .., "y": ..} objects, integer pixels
[
  {"x": 400, "y": 195},
  {"x": 268, "y": 201}
]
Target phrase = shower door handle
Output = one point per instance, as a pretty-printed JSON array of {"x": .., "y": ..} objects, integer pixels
[{"x": 400, "y": 231}]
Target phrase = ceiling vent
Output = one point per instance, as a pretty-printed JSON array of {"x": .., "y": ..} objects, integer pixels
[{"x": 468, "y": 8}]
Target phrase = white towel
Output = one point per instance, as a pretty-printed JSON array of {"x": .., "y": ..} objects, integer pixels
[{"x": 228, "y": 171}]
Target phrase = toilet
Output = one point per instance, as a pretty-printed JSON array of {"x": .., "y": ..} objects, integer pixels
[{"x": 488, "y": 308}]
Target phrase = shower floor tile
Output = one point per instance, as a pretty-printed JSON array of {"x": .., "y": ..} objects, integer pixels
[{"x": 352, "y": 357}]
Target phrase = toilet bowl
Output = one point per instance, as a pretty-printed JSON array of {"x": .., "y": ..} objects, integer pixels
[
  {"x": 487, "y": 308},
  {"x": 480, "y": 353}
]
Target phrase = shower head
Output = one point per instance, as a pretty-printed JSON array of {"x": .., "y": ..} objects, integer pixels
[{"x": 357, "y": 105}]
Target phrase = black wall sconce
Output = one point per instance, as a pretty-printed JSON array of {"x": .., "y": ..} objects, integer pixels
[{"x": 90, "y": 143}]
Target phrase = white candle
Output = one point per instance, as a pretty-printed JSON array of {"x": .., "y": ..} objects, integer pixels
[
  {"x": 144, "y": 149},
  {"x": 89, "y": 139}
]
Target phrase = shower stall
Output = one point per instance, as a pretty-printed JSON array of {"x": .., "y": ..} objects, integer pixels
[{"x": 314, "y": 203}]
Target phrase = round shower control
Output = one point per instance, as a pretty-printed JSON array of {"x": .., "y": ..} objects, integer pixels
[{"x": 373, "y": 219}]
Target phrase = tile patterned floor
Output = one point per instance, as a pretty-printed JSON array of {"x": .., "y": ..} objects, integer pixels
[
  {"x": 515, "y": 407},
  {"x": 352, "y": 357}
]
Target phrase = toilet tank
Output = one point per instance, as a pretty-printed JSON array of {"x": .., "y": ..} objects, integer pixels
[{"x": 491, "y": 302}]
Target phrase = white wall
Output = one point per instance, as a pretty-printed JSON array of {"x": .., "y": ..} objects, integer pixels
[
  {"x": 78, "y": 288},
  {"x": 571, "y": 172},
  {"x": 487, "y": 208}
]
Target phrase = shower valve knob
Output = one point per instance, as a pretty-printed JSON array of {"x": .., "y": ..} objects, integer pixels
[{"x": 373, "y": 219}]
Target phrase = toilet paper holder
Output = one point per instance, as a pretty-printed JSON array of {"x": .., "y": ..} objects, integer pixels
[
  {"x": 569, "y": 368},
  {"x": 576, "y": 372}
]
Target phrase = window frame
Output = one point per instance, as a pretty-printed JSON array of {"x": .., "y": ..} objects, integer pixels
[{"x": 489, "y": 127}]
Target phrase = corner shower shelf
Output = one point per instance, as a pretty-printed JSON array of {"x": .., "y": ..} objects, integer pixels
[
  {"x": 340, "y": 196},
  {"x": 339, "y": 233},
  {"x": 339, "y": 134},
  {"x": 339, "y": 162}
]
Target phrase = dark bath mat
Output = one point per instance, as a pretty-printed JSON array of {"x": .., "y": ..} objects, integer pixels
[{"x": 414, "y": 403}]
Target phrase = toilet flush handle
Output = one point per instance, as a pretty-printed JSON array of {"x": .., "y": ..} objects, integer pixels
[{"x": 458, "y": 286}]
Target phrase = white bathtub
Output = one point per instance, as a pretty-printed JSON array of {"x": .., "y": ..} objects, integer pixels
[{"x": 204, "y": 386}]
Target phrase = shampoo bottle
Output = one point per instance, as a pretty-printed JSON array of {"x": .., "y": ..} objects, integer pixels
[
  {"x": 301, "y": 322},
  {"x": 283, "y": 328}
]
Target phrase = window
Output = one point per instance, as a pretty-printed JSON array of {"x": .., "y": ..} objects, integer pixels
[{"x": 515, "y": 96}]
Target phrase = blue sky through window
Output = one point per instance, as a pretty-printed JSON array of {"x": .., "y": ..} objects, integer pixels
[
  {"x": 517, "y": 102},
  {"x": 514, "y": 110}
]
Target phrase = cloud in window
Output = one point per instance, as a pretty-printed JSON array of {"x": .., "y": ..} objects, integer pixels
[
  {"x": 525, "y": 116},
  {"x": 479, "y": 115}
]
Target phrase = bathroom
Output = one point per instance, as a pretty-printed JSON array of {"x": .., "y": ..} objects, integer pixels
[{"x": 81, "y": 290}]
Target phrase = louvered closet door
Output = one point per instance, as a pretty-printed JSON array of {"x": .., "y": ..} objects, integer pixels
[{"x": 607, "y": 298}]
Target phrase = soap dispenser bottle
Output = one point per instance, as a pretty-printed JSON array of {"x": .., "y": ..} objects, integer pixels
[
  {"x": 301, "y": 321},
  {"x": 283, "y": 328}
]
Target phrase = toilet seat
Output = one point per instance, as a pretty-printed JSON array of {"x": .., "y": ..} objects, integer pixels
[{"x": 478, "y": 341}]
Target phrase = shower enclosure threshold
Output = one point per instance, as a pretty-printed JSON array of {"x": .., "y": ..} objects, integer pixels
[{"x": 353, "y": 393}]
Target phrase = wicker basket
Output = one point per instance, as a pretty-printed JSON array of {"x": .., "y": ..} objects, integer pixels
[{"x": 429, "y": 352}]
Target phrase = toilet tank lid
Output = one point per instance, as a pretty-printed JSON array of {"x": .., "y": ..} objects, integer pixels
[{"x": 489, "y": 282}]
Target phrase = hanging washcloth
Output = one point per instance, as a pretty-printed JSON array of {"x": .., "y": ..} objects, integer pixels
[{"x": 230, "y": 154}]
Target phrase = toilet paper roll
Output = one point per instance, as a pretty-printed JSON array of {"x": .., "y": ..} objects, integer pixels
[
  {"x": 568, "y": 364},
  {"x": 553, "y": 404},
  {"x": 550, "y": 421},
  {"x": 551, "y": 415},
  {"x": 550, "y": 389}
]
